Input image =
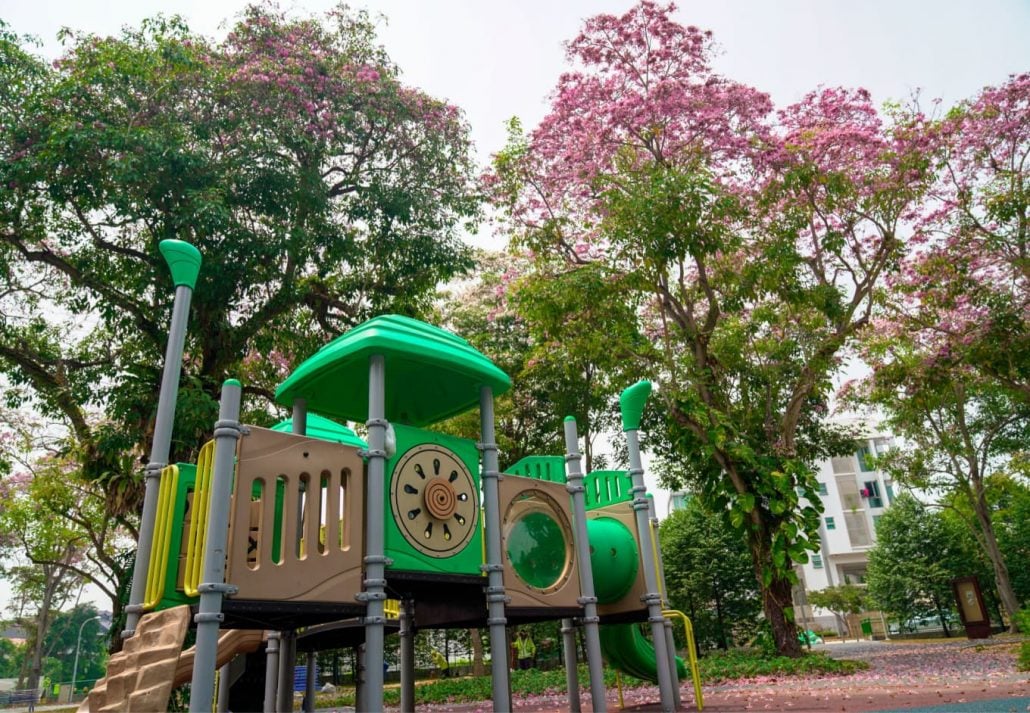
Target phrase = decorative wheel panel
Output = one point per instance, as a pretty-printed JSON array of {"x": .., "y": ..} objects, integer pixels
[{"x": 433, "y": 499}]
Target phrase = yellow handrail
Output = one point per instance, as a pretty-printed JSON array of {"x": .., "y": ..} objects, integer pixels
[
  {"x": 695, "y": 673},
  {"x": 158, "y": 571},
  {"x": 198, "y": 520},
  {"x": 392, "y": 608}
]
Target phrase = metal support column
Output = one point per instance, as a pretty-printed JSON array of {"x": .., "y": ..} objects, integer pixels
[
  {"x": 271, "y": 671},
  {"x": 224, "y": 684},
  {"x": 407, "y": 634},
  {"x": 494, "y": 567},
  {"x": 663, "y": 589},
  {"x": 287, "y": 665},
  {"x": 213, "y": 586},
  {"x": 374, "y": 594},
  {"x": 568, "y": 635},
  {"x": 184, "y": 262},
  {"x": 309, "y": 684},
  {"x": 574, "y": 478},
  {"x": 360, "y": 689},
  {"x": 632, "y": 403}
]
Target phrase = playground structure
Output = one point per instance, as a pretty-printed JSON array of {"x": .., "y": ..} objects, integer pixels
[{"x": 294, "y": 537}]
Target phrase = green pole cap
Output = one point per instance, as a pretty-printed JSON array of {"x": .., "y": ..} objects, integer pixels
[
  {"x": 632, "y": 402},
  {"x": 232, "y": 382},
  {"x": 569, "y": 418},
  {"x": 183, "y": 260}
]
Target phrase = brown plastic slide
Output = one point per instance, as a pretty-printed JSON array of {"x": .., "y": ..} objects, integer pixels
[{"x": 140, "y": 677}]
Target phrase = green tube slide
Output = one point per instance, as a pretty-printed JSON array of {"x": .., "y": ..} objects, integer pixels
[{"x": 615, "y": 559}]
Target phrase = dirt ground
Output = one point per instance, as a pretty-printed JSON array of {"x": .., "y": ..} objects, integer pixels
[{"x": 900, "y": 676}]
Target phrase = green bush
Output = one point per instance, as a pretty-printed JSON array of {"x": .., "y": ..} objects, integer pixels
[
  {"x": 1023, "y": 619},
  {"x": 714, "y": 667},
  {"x": 744, "y": 663}
]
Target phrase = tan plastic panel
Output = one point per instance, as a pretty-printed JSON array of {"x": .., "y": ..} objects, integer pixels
[
  {"x": 624, "y": 513},
  {"x": 320, "y": 551},
  {"x": 522, "y": 595}
]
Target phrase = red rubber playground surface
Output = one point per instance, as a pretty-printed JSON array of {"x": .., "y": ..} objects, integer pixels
[{"x": 951, "y": 675}]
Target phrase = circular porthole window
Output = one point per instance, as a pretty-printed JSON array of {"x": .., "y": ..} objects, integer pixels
[{"x": 538, "y": 541}]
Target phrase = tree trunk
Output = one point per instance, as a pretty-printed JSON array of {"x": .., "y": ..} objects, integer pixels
[
  {"x": 943, "y": 619},
  {"x": 776, "y": 599},
  {"x": 478, "y": 669},
  {"x": 53, "y": 575},
  {"x": 1001, "y": 572},
  {"x": 719, "y": 620}
]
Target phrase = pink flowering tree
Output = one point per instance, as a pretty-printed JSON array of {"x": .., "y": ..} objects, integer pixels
[
  {"x": 751, "y": 243},
  {"x": 320, "y": 189},
  {"x": 951, "y": 353}
]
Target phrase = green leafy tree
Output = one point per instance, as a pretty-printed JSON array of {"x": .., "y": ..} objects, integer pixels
[
  {"x": 963, "y": 432},
  {"x": 844, "y": 601},
  {"x": 1012, "y": 519},
  {"x": 708, "y": 572},
  {"x": 915, "y": 557},
  {"x": 320, "y": 189}
]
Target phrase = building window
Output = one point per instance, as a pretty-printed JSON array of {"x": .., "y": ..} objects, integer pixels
[
  {"x": 830, "y": 524},
  {"x": 890, "y": 493},
  {"x": 865, "y": 460},
  {"x": 817, "y": 561},
  {"x": 876, "y": 521},
  {"x": 871, "y": 490},
  {"x": 822, "y": 488}
]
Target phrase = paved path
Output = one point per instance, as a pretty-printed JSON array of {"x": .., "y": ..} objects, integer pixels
[{"x": 950, "y": 676}]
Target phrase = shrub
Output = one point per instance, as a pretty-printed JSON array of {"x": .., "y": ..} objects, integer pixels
[{"x": 1023, "y": 619}]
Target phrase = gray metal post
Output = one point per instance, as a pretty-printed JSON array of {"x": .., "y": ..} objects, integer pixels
[
  {"x": 574, "y": 478},
  {"x": 663, "y": 587},
  {"x": 309, "y": 684},
  {"x": 224, "y": 684},
  {"x": 184, "y": 261},
  {"x": 651, "y": 598},
  {"x": 271, "y": 671},
  {"x": 568, "y": 634},
  {"x": 287, "y": 639},
  {"x": 407, "y": 634},
  {"x": 375, "y": 560},
  {"x": 213, "y": 586},
  {"x": 495, "y": 597},
  {"x": 287, "y": 664}
]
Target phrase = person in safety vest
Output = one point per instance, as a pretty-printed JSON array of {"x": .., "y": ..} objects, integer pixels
[{"x": 525, "y": 650}]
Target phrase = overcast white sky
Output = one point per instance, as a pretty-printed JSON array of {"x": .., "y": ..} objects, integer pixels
[{"x": 500, "y": 58}]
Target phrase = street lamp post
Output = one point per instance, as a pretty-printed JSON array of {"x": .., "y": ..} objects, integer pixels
[{"x": 78, "y": 643}]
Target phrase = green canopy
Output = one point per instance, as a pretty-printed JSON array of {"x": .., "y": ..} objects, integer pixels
[
  {"x": 323, "y": 428},
  {"x": 431, "y": 374}
]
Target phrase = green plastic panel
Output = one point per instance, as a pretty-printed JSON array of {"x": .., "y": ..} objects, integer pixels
[
  {"x": 614, "y": 558},
  {"x": 173, "y": 594},
  {"x": 607, "y": 487},
  {"x": 431, "y": 374},
  {"x": 324, "y": 429},
  {"x": 549, "y": 468},
  {"x": 406, "y": 557}
]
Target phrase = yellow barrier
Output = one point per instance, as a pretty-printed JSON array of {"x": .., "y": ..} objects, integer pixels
[
  {"x": 695, "y": 674},
  {"x": 198, "y": 520},
  {"x": 162, "y": 537},
  {"x": 392, "y": 608}
]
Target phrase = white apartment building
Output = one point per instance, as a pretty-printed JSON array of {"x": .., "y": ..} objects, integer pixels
[{"x": 854, "y": 495}]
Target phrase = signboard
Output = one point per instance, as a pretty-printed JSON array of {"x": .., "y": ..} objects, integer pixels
[{"x": 971, "y": 607}]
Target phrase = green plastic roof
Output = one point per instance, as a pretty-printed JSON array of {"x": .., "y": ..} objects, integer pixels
[
  {"x": 431, "y": 374},
  {"x": 324, "y": 429}
]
